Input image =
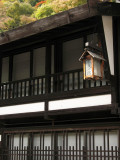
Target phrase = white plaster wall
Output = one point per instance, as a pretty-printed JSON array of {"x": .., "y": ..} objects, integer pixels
[
  {"x": 72, "y": 51},
  {"x": 37, "y": 141},
  {"x": 16, "y": 140},
  {"x": 23, "y": 108},
  {"x": 108, "y": 30},
  {"x": 39, "y": 61},
  {"x": 5, "y": 69},
  {"x": 21, "y": 64},
  {"x": 80, "y": 102}
]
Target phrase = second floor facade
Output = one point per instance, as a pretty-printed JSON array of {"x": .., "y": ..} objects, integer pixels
[{"x": 44, "y": 69}]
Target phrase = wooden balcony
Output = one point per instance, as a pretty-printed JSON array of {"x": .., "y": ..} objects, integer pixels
[{"x": 50, "y": 85}]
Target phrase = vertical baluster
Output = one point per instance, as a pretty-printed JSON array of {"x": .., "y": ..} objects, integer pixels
[
  {"x": 116, "y": 155},
  {"x": 78, "y": 74},
  {"x": 34, "y": 156},
  {"x": 73, "y": 80},
  {"x": 76, "y": 145},
  {"x": 90, "y": 144},
  {"x": 61, "y": 155},
  {"x": 93, "y": 146},
  {"x": 33, "y": 87},
  {"x": 17, "y": 153},
  {"x": 100, "y": 83},
  {"x": 100, "y": 152},
  {"x": 24, "y": 88},
  {"x": 2, "y": 92},
  {"x": 73, "y": 152},
  {"x": 6, "y": 91},
  {"x": 108, "y": 143},
  {"x": 42, "y": 85},
  {"x": 40, "y": 144},
  {"x": 37, "y": 86},
  {"x": 112, "y": 152},
  {"x": 63, "y": 82},
  {"x": 104, "y": 146},
  {"x": 16, "y": 89},
  {"x": 9, "y": 90},
  {"x": 94, "y": 83},
  {"x": 24, "y": 151},
  {"x": 97, "y": 155},
  {"x": 49, "y": 153},
  {"x": 63, "y": 145},
  {"x": 37, "y": 152},
  {"x": 21, "y": 89},
  {"x": 58, "y": 83},
  {"x": 79, "y": 145},
  {"x": 84, "y": 83},
  {"x": 69, "y": 152},
  {"x": 67, "y": 81},
  {"x": 89, "y": 83}
]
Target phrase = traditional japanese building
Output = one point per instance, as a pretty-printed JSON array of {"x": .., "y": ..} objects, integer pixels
[{"x": 51, "y": 107}]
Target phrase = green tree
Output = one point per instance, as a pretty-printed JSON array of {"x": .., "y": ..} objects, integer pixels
[{"x": 44, "y": 11}]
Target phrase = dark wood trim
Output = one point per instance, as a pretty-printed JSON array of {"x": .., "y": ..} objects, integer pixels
[
  {"x": 48, "y": 67},
  {"x": 0, "y": 69},
  {"x": 49, "y": 23},
  {"x": 109, "y": 8},
  {"x": 116, "y": 42}
]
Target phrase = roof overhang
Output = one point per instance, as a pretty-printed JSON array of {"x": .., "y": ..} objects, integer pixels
[{"x": 77, "y": 14}]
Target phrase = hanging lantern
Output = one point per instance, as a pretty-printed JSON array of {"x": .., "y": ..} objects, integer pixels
[{"x": 93, "y": 65}]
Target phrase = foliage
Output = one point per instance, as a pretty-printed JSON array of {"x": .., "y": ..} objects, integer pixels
[
  {"x": 62, "y": 5},
  {"x": 33, "y": 2},
  {"x": 40, "y": 3},
  {"x": 17, "y": 9},
  {"x": 44, "y": 11},
  {"x": 25, "y": 20},
  {"x": 14, "y": 13},
  {"x": 10, "y": 23}
]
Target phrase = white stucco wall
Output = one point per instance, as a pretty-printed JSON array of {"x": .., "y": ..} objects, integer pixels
[
  {"x": 80, "y": 102},
  {"x": 23, "y": 108},
  {"x": 108, "y": 30}
]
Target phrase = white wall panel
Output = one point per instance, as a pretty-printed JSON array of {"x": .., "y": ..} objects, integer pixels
[
  {"x": 80, "y": 102},
  {"x": 108, "y": 30},
  {"x": 23, "y": 108}
]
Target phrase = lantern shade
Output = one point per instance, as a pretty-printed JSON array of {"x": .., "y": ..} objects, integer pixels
[
  {"x": 97, "y": 67},
  {"x": 88, "y": 67},
  {"x": 92, "y": 65}
]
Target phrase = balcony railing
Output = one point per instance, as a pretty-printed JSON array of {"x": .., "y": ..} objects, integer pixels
[
  {"x": 48, "y": 84},
  {"x": 60, "y": 153}
]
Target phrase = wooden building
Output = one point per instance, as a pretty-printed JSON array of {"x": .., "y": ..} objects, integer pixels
[{"x": 47, "y": 110}]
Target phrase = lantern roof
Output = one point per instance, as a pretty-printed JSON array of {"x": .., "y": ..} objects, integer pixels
[{"x": 92, "y": 54}]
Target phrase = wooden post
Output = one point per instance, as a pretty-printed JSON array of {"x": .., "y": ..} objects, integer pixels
[{"x": 48, "y": 68}]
